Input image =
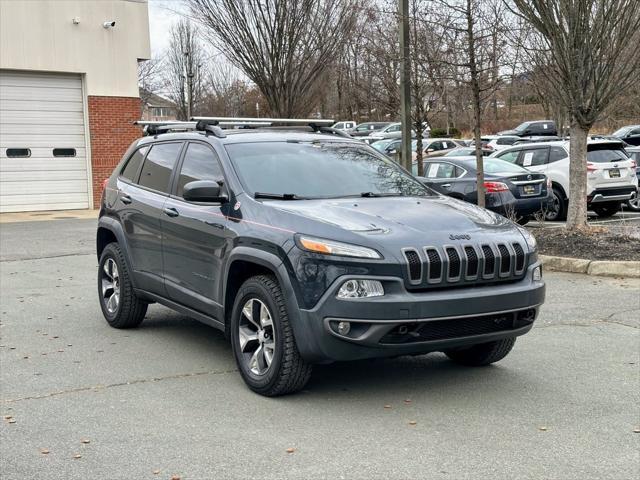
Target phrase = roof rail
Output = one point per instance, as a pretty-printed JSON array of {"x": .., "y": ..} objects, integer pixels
[
  {"x": 153, "y": 127},
  {"x": 315, "y": 124}
]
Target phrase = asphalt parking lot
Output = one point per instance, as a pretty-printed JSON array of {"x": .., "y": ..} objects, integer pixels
[{"x": 166, "y": 399}]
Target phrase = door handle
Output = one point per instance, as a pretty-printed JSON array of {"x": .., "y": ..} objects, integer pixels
[
  {"x": 445, "y": 185},
  {"x": 126, "y": 199},
  {"x": 170, "y": 211}
]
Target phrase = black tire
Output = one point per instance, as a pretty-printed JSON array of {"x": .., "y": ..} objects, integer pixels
[
  {"x": 558, "y": 210},
  {"x": 523, "y": 220},
  {"x": 607, "y": 211},
  {"x": 482, "y": 353},
  {"x": 130, "y": 310},
  {"x": 633, "y": 204},
  {"x": 287, "y": 372}
]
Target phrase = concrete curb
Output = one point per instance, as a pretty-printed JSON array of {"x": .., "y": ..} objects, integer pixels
[{"x": 591, "y": 267}]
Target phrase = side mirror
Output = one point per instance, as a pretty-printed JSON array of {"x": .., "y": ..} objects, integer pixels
[
  {"x": 392, "y": 152},
  {"x": 204, "y": 191}
]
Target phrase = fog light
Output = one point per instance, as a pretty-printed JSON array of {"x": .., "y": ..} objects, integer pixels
[
  {"x": 537, "y": 274},
  {"x": 344, "y": 328},
  {"x": 361, "y": 289}
]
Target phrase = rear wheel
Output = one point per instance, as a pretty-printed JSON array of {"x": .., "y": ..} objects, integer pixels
[
  {"x": 482, "y": 353},
  {"x": 120, "y": 305},
  {"x": 262, "y": 339},
  {"x": 633, "y": 203},
  {"x": 607, "y": 210},
  {"x": 558, "y": 208}
]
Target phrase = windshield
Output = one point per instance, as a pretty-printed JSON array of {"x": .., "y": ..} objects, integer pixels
[
  {"x": 319, "y": 170},
  {"x": 522, "y": 126},
  {"x": 606, "y": 155},
  {"x": 621, "y": 132},
  {"x": 493, "y": 165}
]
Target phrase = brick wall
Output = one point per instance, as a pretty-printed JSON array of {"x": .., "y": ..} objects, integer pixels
[{"x": 112, "y": 131}]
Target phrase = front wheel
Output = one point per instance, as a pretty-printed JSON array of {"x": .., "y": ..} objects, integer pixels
[
  {"x": 482, "y": 353},
  {"x": 607, "y": 211},
  {"x": 262, "y": 339}
]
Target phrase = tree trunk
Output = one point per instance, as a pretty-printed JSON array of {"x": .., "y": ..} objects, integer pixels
[{"x": 577, "y": 213}]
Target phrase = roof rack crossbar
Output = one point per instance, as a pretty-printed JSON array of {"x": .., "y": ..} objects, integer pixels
[
  {"x": 152, "y": 127},
  {"x": 265, "y": 122}
]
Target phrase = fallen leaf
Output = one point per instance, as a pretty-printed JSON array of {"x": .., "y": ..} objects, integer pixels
[
  {"x": 8, "y": 417},
  {"x": 85, "y": 440},
  {"x": 387, "y": 406},
  {"x": 412, "y": 422},
  {"x": 44, "y": 451},
  {"x": 69, "y": 345},
  {"x": 156, "y": 472},
  {"x": 407, "y": 401},
  {"x": 77, "y": 455},
  {"x": 25, "y": 357},
  {"x": 636, "y": 430},
  {"x": 542, "y": 428},
  {"x": 12, "y": 421},
  {"x": 56, "y": 336},
  {"x": 175, "y": 477},
  {"x": 291, "y": 450}
]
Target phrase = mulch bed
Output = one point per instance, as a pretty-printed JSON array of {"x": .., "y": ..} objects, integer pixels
[{"x": 595, "y": 243}]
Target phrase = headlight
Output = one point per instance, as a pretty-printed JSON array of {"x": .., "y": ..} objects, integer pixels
[
  {"x": 361, "y": 289},
  {"x": 529, "y": 238},
  {"x": 330, "y": 247}
]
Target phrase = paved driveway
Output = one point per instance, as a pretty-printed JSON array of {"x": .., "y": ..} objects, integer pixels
[{"x": 166, "y": 397}]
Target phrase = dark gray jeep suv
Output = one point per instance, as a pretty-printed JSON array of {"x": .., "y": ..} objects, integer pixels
[{"x": 306, "y": 247}]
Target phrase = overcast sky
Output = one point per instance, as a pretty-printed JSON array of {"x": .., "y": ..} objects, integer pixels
[{"x": 162, "y": 14}]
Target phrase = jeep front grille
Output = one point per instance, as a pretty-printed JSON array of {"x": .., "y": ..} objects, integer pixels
[{"x": 453, "y": 265}]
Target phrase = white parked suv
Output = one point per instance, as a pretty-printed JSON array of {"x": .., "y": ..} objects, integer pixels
[{"x": 611, "y": 174}]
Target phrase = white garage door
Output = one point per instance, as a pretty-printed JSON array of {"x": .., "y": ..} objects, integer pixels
[{"x": 43, "y": 158}]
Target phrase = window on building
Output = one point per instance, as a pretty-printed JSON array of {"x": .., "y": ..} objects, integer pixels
[
  {"x": 18, "y": 152},
  {"x": 64, "y": 152}
]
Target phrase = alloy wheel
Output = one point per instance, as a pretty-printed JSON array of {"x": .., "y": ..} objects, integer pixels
[
  {"x": 110, "y": 285},
  {"x": 257, "y": 336},
  {"x": 634, "y": 201},
  {"x": 554, "y": 209}
]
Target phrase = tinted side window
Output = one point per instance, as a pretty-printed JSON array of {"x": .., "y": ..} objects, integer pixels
[
  {"x": 200, "y": 163},
  {"x": 130, "y": 170},
  {"x": 557, "y": 153},
  {"x": 532, "y": 158},
  {"x": 158, "y": 165},
  {"x": 506, "y": 141}
]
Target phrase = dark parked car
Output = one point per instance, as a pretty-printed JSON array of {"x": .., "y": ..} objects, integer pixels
[
  {"x": 511, "y": 190},
  {"x": 307, "y": 247},
  {"x": 533, "y": 129},
  {"x": 629, "y": 134},
  {"x": 388, "y": 146},
  {"x": 367, "y": 128}
]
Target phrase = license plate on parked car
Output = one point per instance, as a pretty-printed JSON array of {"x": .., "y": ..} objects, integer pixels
[
  {"x": 529, "y": 190},
  {"x": 614, "y": 173}
]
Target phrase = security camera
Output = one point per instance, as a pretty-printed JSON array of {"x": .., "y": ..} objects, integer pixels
[{"x": 109, "y": 24}]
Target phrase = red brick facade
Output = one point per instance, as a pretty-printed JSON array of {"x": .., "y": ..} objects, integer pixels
[{"x": 112, "y": 131}]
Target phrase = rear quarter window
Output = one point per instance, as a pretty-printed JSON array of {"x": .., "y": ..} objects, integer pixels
[{"x": 131, "y": 168}]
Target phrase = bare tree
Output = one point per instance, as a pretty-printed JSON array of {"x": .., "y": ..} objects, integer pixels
[
  {"x": 185, "y": 69},
  {"x": 588, "y": 51},
  {"x": 283, "y": 46}
]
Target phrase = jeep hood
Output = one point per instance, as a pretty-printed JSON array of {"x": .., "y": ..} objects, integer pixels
[{"x": 410, "y": 218}]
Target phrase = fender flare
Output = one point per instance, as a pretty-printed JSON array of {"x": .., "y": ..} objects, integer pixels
[
  {"x": 276, "y": 265},
  {"x": 111, "y": 224}
]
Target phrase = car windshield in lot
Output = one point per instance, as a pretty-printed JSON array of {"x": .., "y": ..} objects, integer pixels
[
  {"x": 493, "y": 165},
  {"x": 606, "y": 155},
  {"x": 319, "y": 170}
]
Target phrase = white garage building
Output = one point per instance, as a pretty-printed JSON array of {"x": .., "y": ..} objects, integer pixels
[{"x": 68, "y": 96}]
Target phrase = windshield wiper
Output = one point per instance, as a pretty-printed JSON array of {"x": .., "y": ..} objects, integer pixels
[
  {"x": 277, "y": 196},
  {"x": 373, "y": 194}
]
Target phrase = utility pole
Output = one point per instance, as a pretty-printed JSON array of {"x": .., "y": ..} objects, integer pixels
[
  {"x": 189, "y": 78},
  {"x": 405, "y": 87}
]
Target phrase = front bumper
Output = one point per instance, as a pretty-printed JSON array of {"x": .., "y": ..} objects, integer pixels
[{"x": 408, "y": 323}]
